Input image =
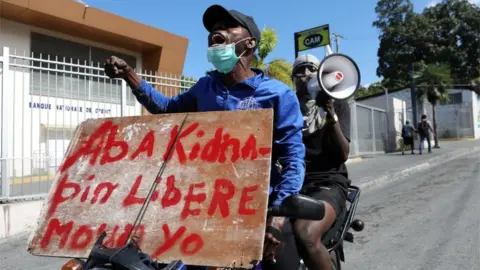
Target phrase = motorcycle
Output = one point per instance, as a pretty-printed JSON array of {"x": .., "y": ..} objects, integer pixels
[
  {"x": 130, "y": 256},
  {"x": 340, "y": 231}
]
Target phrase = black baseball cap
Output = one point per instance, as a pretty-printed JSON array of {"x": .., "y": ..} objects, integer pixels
[{"x": 215, "y": 13}]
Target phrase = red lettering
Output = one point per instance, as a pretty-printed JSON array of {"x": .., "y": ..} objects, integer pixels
[
  {"x": 211, "y": 151},
  {"x": 87, "y": 190},
  {"x": 191, "y": 197},
  {"x": 216, "y": 148},
  {"x": 111, "y": 144},
  {"x": 194, "y": 240},
  {"x": 54, "y": 226},
  {"x": 242, "y": 208},
  {"x": 195, "y": 150},
  {"x": 58, "y": 196},
  {"x": 220, "y": 198},
  {"x": 169, "y": 240},
  {"x": 250, "y": 148},
  {"x": 111, "y": 237},
  {"x": 172, "y": 195},
  {"x": 81, "y": 238},
  {"x": 139, "y": 234},
  {"x": 108, "y": 187},
  {"x": 264, "y": 150},
  {"x": 132, "y": 195},
  {"x": 85, "y": 234},
  {"x": 182, "y": 157},
  {"x": 101, "y": 229},
  {"x": 234, "y": 143},
  {"x": 88, "y": 148},
  {"x": 146, "y": 145}
]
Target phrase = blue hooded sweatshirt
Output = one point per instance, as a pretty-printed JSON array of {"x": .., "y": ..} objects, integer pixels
[{"x": 257, "y": 92}]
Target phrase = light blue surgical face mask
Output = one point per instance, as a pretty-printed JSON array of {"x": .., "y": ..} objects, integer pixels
[{"x": 223, "y": 57}]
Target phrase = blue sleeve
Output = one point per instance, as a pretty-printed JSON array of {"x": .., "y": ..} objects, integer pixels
[
  {"x": 155, "y": 102},
  {"x": 289, "y": 147}
]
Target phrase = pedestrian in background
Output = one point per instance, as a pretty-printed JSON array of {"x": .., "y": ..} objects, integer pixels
[
  {"x": 407, "y": 136},
  {"x": 425, "y": 130}
]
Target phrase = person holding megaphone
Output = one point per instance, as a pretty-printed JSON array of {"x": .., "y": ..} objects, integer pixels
[{"x": 322, "y": 89}]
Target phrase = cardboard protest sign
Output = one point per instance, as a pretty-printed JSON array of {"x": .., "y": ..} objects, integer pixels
[{"x": 207, "y": 205}]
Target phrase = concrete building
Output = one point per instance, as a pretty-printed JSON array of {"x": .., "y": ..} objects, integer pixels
[
  {"x": 460, "y": 118},
  {"x": 51, "y": 77}
]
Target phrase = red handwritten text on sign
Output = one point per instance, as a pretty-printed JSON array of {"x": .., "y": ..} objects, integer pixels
[
  {"x": 106, "y": 176},
  {"x": 224, "y": 190},
  {"x": 79, "y": 237},
  {"x": 103, "y": 141}
]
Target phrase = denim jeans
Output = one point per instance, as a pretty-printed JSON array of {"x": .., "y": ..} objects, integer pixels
[{"x": 422, "y": 139}]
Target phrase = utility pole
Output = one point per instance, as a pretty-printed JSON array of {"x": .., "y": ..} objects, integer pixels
[{"x": 337, "y": 37}]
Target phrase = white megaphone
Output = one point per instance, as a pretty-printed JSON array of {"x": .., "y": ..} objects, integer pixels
[{"x": 338, "y": 75}]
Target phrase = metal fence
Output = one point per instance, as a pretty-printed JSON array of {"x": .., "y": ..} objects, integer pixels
[
  {"x": 42, "y": 100},
  {"x": 455, "y": 121},
  {"x": 368, "y": 130}
]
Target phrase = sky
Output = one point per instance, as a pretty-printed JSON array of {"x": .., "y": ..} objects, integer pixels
[{"x": 349, "y": 18}]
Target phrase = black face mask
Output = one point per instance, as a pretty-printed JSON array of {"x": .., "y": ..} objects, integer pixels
[{"x": 301, "y": 77}]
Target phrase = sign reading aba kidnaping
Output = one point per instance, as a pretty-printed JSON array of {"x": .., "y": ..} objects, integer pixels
[{"x": 312, "y": 38}]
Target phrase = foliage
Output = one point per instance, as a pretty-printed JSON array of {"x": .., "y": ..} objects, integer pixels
[
  {"x": 278, "y": 68},
  {"x": 186, "y": 82},
  {"x": 446, "y": 33},
  {"x": 457, "y": 37},
  {"x": 433, "y": 81},
  {"x": 373, "y": 89}
]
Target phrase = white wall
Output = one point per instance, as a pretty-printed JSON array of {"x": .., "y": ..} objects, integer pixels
[
  {"x": 476, "y": 114},
  {"x": 396, "y": 115},
  {"x": 27, "y": 115},
  {"x": 450, "y": 118}
]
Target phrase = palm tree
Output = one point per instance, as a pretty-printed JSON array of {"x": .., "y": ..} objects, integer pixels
[
  {"x": 433, "y": 81},
  {"x": 278, "y": 68}
]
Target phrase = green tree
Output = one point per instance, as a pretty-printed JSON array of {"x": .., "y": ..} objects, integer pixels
[
  {"x": 186, "y": 83},
  {"x": 456, "y": 33},
  {"x": 405, "y": 38},
  {"x": 278, "y": 68},
  {"x": 433, "y": 81},
  {"x": 372, "y": 89}
]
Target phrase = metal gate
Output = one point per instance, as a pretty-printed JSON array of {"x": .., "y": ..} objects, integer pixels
[
  {"x": 41, "y": 103},
  {"x": 368, "y": 129}
]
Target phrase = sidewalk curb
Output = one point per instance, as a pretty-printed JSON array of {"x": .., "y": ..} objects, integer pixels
[
  {"x": 368, "y": 183},
  {"x": 457, "y": 139},
  {"x": 354, "y": 160}
]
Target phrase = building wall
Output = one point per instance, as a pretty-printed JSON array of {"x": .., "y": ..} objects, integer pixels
[
  {"x": 16, "y": 36},
  {"x": 460, "y": 119},
  {"x": 396, "y": 116},
  {"x": 38, "y": 126}
]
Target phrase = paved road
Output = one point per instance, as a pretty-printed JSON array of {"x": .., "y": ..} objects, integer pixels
[{"x": 430, "y": 221}]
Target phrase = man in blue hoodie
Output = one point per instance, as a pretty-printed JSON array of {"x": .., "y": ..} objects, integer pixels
[{"x": 235, "y": 85}]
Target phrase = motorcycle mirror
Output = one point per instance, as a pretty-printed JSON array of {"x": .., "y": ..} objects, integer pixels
[{"x": 300, "y": 207}]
